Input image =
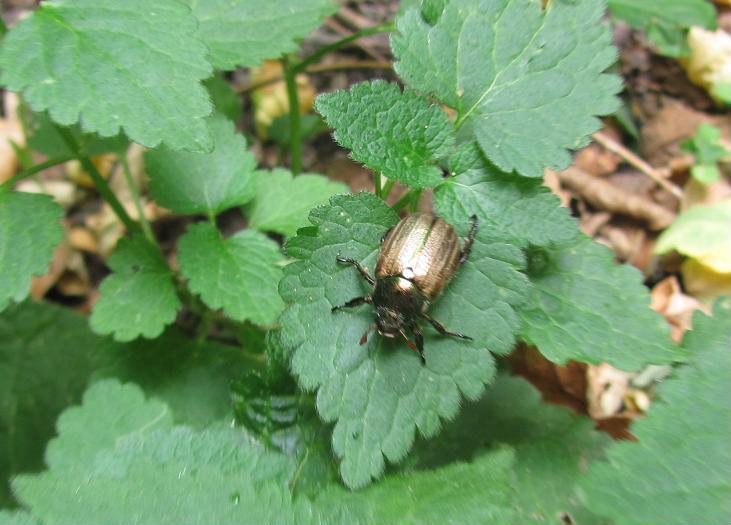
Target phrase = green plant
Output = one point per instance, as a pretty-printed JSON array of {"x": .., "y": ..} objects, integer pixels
[{"x": 315, "y": 408}]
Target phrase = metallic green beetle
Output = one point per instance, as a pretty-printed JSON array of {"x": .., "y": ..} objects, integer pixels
[{"x": 418, "y": 258}]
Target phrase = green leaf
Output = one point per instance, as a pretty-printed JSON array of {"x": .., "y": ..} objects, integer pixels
[
  {"x": 282, "y": 202},
  {"x": 398, "y": 134},
  {"x": 706, "y": 173},
  {"x": 679, "y": 469},
  {"x": 584, "y": 307},
  {"x": 665, "y": 21},
  {"x": 476, "y": 493},
  {"x": 522, "y": 208},
  {"x": 92, "y": 427},
  {"x": 30, "y": 229},
  {"x": 525, "y": 82},
  {"x": 239, "y": 274},
  {"x": 17, "y": 517},
  {"x": 243, "y": 33},
  {"x": 135, "y": 468},
  {"x": 138, "y": 298},
  {"x": 46, "y": 356},
  {"x": 204, "y": 182},
  {"x": 44, "y": 138},
  {"x": 380, "y": 393},
  {"x": 225, "y": 100},
  {"x": 701, "y": 232},
  {"x": 113, "y": 65},
  {"x": 708, "y": 150}
]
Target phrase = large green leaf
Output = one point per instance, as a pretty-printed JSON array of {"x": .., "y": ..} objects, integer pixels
[
  {"x": 243, "y": 33},
  {"x": 30, "y": 229},
  {"x": 117, "y": 460},
  {"x": 282, "y": 202},
  {"x": 380, "y": 393},
  {"x": 584, "y": 307},
  {"x": 238, "y": 274},
  {"x": 525, "y": 82},
  {"x": 204, "y": 182},
  {"x": 679, "y": 469},
  {"x": 113, "y": 65},
  {"x": 523, "y": 209},
  {"x": 138, "y": 298},
  {"x": 472, "y": 493},
  {"x": 399, "y": 134}
]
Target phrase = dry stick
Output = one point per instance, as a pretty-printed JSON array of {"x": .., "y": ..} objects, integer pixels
[{"x": 637, "y": 162}]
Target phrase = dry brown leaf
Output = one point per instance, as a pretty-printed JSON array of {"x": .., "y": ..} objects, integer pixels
[
  {"x": 82, "y": 239},
  {"x": 11, "y": 131},
  {"x": 606, "y": 196},
  {"x": 669, "y": 300}
]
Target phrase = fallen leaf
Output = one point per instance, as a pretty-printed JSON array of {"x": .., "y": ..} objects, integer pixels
[
  {"x": 709, "y": 62},
  {"x": 705, "y": 283},
  {"x": 669, "y": 300}
]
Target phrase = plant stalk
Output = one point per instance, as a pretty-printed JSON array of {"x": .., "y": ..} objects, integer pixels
[
  {"x": 102, "y": 187},
  {"x": 295, "y": 128},
  {"x": 35, "y": 169},
  {"x": 146, "y": 228}
]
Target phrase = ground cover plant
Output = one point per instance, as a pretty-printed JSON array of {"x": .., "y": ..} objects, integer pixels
[{"x": 206, "y": 378}]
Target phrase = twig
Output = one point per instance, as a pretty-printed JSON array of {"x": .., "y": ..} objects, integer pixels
[{"x": 614, "y": 146}]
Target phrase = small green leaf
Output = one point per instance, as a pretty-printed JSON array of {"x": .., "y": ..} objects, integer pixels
[
  {"x": 17, "y": 517},
  {"x": 523, "y": 209},
  {"x": 30, "y": 229},
  {"x": 525, "y": 82},
  {"x": 587, "y": 308},
  {"x": 239, "y": 274},
  {"x": 665, "y": 21},
  {"x": 112, "y": 65},
  {"x": 243, "y": 33},
  {"x": 706, "y": 173},
  {"x": 708, "y": 150},
  {"x": 139, "y": 298},
  {"x": 204, "y": 182},
  {"x": 476, "y": 493},
  {"x": 225, "y": 100},
  {"x": 701, "y": 232},
  {"x": 282, "y": 202},
  {"x": 134, "y": 467},
  {"x": 379, "y": 392},
  {"x": 398, "y": 134},
  {"x": 678, "y": 471},
  {"x": 90, "y": 428}
]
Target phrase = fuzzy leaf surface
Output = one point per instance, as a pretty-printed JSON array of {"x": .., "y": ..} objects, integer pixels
[
  {"x": 30, "y": 229},
  {"x": 584, "y": 307},
  {"x": 137, "y": 468},
  {"x": 523, "y": 209},
  {"x": 283, "y": 202},
  {"x": 379, "y": 393},
  {"x": 239, "y": 274},
  {"x": 679, "y": 469},
  {"x": 476, "y": 493},
  {"x": 243, "y": 33},
  {"x": 138, "y": 298},
  {"x": 527, "y": 83},
  {"x": 399, "y": 134},
  {"x": 114, "y": 65},
  {"x": 204, "y": 182}
]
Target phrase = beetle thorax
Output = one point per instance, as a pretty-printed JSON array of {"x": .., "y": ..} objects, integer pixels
[{"x": 398, "y": 302}]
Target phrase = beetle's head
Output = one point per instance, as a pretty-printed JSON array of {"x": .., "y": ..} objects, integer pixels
[{"x": 389, "y": 321}]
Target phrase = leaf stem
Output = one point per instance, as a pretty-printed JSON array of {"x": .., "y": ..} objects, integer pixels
[
  {"x": 102, "y": 187},
  {"x": 403, "y": 201},
  {"x": 54, "y": 161},
  {"x": 317, "y": 55},
  {"x": 295, "y": 142},
  {"x": 146, "y": 228},
  {"x": 387, "y": 188},
  {"x": 377, "y": 183}
]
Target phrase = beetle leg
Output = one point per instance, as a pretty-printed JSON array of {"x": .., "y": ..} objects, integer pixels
[
  {"x": 439, "y": 327},
  {"x": 358, "y": 266},
  {"x": 353, "y": 302},
  {"x": 416, "y": 330},
  {"x": 470, "y": 239}
]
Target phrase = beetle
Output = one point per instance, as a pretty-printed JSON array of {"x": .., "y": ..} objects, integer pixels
[{"x": 418, "y": 258}]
